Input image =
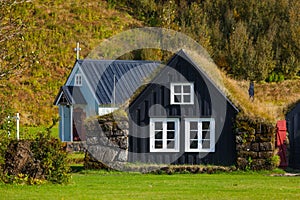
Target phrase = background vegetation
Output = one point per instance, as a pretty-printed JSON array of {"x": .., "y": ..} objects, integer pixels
[
  {"x": 248, "y": 40},
  {"x": 256, "y": 40},
  {"x": 39, "y": 54}
]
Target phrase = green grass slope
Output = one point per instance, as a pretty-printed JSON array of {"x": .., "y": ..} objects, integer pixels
[{"x": 52, "y": 29}]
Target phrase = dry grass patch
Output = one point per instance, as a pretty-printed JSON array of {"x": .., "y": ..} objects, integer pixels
[{"x": 272, "y": 100}]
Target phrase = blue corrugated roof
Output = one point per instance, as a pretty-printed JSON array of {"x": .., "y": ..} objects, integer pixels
[{"x": 129, "y": 76}]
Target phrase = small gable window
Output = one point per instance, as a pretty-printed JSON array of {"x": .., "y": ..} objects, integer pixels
[
  {"x": 164, "y": 135},
  {"x": 182, "y": 93},
  {"x": 78, "y": 80},
  {"x": 199, "y": 135}
]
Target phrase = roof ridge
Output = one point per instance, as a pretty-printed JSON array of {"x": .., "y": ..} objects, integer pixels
[{"x": 118, "y": 61}]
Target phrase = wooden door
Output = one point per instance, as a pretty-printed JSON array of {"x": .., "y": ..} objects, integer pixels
[{"x": 79, "y": 133}]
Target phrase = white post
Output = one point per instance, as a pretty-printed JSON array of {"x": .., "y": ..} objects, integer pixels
[{"x": 18, "y": 126}]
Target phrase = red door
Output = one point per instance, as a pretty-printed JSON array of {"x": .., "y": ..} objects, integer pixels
[{"x": 281, "y": 143}]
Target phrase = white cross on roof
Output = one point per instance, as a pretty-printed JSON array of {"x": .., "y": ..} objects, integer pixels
[{"x": 77, "y": 49}]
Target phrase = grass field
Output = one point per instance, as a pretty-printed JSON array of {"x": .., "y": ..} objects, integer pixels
[
  {"x": 114, "y": 185},
  {"x": 31, "y": 131}
]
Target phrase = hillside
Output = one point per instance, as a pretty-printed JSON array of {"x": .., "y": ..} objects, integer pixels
[
  {"x": 44, "y": 50},
  {"x": 272, "y": 100},
  {"x": 47, "y": 43}
]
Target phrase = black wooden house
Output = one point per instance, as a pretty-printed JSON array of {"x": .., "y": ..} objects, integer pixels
[
  {"x": 293, "y": 127},
  {"x": 182, "y": 117}
]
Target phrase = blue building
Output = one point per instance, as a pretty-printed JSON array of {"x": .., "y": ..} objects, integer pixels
[{"x": 97, "y": 87}]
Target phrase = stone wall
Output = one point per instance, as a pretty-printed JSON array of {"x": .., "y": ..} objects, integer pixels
[
  {"x": 78, "y": 146},
  {"x": 107, "y": 143},
  {"x": 255, "y": 144}
]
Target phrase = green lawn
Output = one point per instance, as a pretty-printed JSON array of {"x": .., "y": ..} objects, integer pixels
[
  {"x": 103, "y": 185},
  {"x": 29, "y": 131}
]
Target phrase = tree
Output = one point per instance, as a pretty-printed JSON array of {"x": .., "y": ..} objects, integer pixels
[
  {"x": 250, "y": 39},
  {"x": 239, "y": 49}
]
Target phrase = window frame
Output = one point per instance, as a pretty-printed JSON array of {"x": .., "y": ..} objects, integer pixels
[
  {"x": 78, "y": 80},
  {"x": 199, "y": 134},
  {"x": 181, "y": 84},
  {"x": 164, "y": 134}
]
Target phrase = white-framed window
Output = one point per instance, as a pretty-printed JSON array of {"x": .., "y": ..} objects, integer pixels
[
  {"x": 182, "y": 93},
  {"x": 164, "y": 135},
  {"x": 78, "y": 80},
  {"x": 199, "y": 135}
]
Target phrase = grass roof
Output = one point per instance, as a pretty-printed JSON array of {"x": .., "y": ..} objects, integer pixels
[{"x": 272, "y": 100}]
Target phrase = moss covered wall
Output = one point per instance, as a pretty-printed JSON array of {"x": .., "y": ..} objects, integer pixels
[
  {"x": 107, "y": 142},
  {"x": 255, "y": 144}
]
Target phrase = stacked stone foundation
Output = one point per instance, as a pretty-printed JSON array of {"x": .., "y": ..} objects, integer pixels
[
  {"x": 255, "y": 144},
  {"x": 107, "y": 143}
]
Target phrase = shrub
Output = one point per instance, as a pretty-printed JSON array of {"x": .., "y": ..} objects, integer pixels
[
  {"x": 34, "y": 161},
  {"x": 275, "y": 77},
  {"x": 53, "y": 158},
  {"x": 273, "y": 162}
]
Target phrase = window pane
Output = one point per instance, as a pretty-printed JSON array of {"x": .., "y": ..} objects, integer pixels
[
  {"x": 164, "y": 136},
  {"x": 170, "y": 144},
  {"x": 193, "y": 125},
  {"x": 158, "y": 134},
  {"x": 206, "y": 144},
  {"x": 205, "y": 125},
  {"x": 170, "y": 135},
  {"x": 170, "y": 125},
  {"x": 186, "y": 89},
  {"x": 158, "y": 144},
  {"x": 193, "y": 134},
  {"x": 186, "y": 98},
  {"x": 205, "y": 134},
  {"x": 78, "y": 80},
  {"x": 194, "y": 144},
  {"x": 177, "y": 88},
  {"x": 177, "y": 98},
  {"x": 158, "y": 126}
]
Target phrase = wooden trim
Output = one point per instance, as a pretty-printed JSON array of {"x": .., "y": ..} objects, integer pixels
[
  {"x": 62, "y": 124},
  {"x": 71, "y": 123},
  {"x": 164, "y": 140},
  {"x": 192, "y": 93},
  {"x": 212, "y": 134}
]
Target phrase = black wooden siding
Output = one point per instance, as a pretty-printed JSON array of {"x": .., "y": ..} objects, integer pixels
[
  {"x": 293, "y": 126},
  {"x": 158, "y": 93}
]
